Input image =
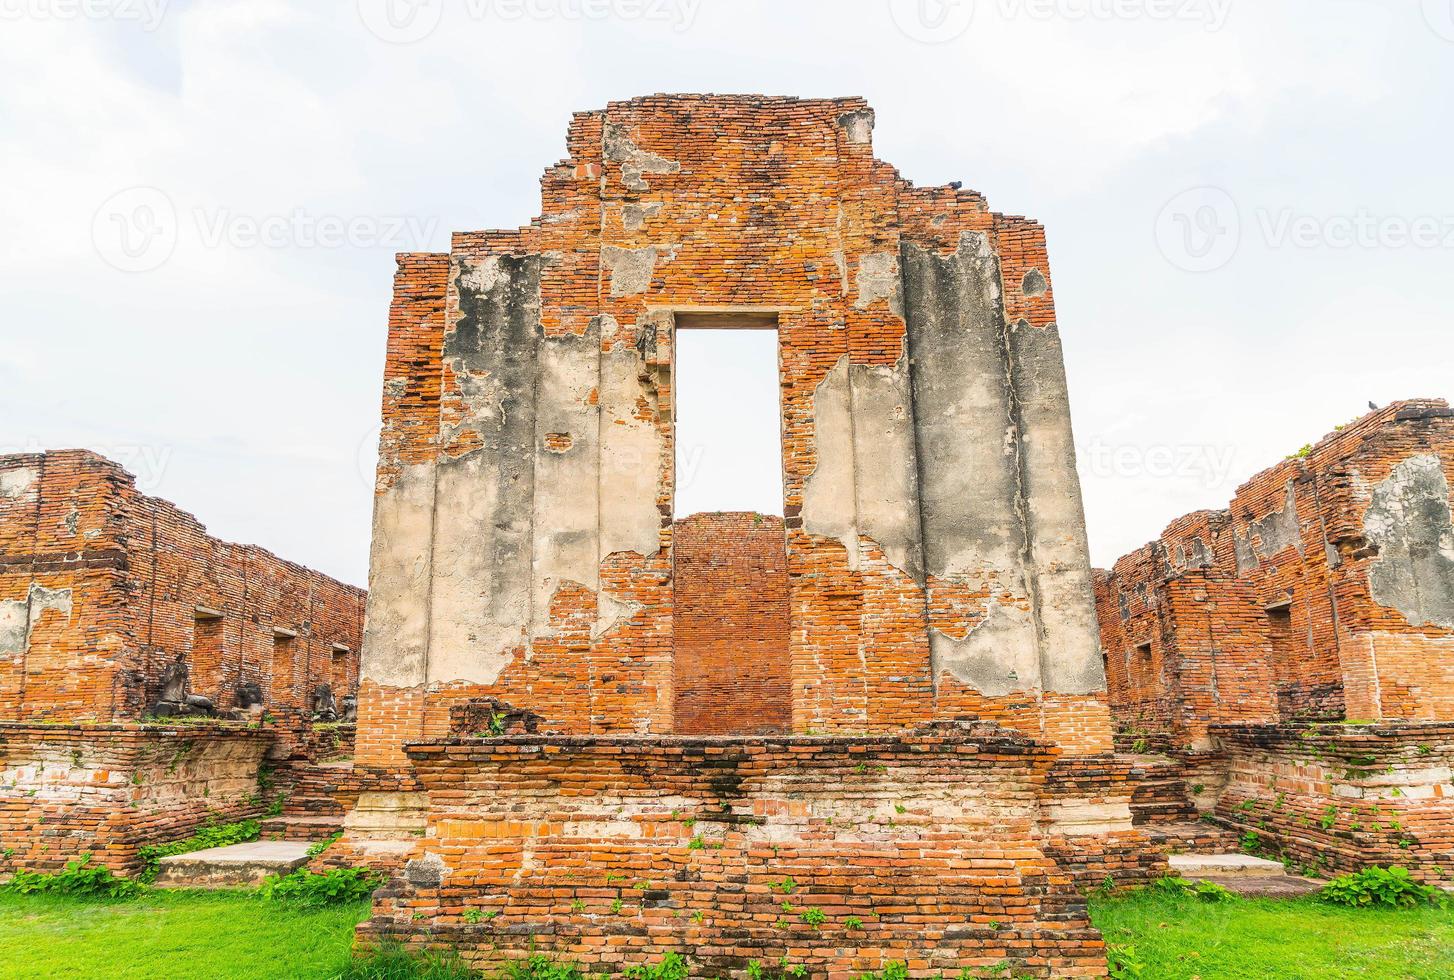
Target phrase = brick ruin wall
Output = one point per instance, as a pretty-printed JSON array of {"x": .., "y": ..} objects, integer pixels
[
  {"x": 1332, "y": 798},
  {"x": 109, "y": 790},
  {"x": 731, "y": 667},
  {"x": 833, "y": 855},
  {"x": 932, "y": 572},
  {"x": 102, "y": 586},
  {"x": 1325, "y": 593}
]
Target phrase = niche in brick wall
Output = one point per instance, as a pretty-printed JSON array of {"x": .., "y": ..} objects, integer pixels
[{"x": 731, "y": 665}]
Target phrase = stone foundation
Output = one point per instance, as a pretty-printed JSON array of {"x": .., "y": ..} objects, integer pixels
[
  {"x": 109, "y": 790},
  {"x": 840, "y": 854},
  {"x": 1336, "y": 798}
]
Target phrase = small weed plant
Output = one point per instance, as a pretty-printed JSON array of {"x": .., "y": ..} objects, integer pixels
[
  {"x": 79, "y": 879},
  {"x": 1125, "y": 964},
  {"x": 542, "y": 967},
  {"x": 1206, "y": 891},
  {"x": 1391, "y": 887},
  {"x": 672, "y": 967},
  {"x": 311, "y": 889}
]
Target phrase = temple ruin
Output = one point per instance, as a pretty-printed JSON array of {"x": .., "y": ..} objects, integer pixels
[
  {"x": 1292, "y": 657},
  {"x": 939, "y": 676},
  {"x": 148, "y": 671}
]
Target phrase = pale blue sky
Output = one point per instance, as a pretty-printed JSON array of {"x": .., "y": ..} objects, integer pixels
[{"x": 238, "y": 372}]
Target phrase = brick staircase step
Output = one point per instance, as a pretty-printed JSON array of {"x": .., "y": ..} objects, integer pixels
[
  {"x": 1191, "y": 836},
  {"x": 310, "y": 827},
  {"x": 235, "y": 866},
  {"x": 1200, "y": 866}
]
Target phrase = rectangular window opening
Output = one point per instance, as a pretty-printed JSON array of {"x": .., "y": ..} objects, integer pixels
[{"x": 728, "y": 416}]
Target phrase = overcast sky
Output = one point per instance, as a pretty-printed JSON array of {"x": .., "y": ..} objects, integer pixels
[{"x": 1249, "y": 204}]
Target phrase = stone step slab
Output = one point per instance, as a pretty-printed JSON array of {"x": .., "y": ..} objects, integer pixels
[
  {"x": 234, "y": 866},
  {"x": 1198, "y": 866}
]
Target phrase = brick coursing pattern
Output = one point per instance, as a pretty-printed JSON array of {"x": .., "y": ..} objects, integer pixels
[
  {"x": 139, "y": 579},
  {"x": 765, "y": 204},
  {"x": 108, "y": 790},
  {"x": 1230, "y": 640},
  {"x": 731, "y": 660},
  {"x": 1265, "y": 612},
  {"x": 101, "y": 587},
  {"x": 617, "y": 850}
]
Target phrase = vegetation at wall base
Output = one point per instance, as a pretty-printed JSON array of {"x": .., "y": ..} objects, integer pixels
[
  {"x": 1153, "y": 933},
  {"x": 320, "y": 889},
  {"x": 80, "y": 879},
  {"x": 1390, "y": 887}
]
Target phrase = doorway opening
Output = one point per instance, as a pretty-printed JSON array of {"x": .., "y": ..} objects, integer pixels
[{"x": 731, "y": 665}]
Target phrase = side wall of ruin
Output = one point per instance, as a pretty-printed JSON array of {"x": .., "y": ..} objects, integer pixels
[
  {"x": 109, "y": 790},
  {"x": 523, "y": 539},
  {"x": 1326, "y": 591},
  {"x": 102, "y": 586}
]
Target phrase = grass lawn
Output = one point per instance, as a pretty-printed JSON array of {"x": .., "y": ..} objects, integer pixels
[
  {"x": 1257, "y": 939},
  {"x": 172, "y": 934},
  {"x": 185, "y": 935}
]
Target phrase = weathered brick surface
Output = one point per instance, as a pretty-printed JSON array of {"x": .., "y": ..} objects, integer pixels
[
  {"x": 1335, "y": 798},
  {"x": 108, "y": 790},
  {"x": 102, "y": 586},
  {"x": 731, "y": 661},
  {"x": 1326, "y": 592},
  {"x": 692, "y": 206},
  {"x": 614, "y": 851},
  {"x": 930, "y": 567},
  {"x": 1285, "y": 606}
]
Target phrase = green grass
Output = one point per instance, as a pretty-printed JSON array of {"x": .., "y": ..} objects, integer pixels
[
  {"x": 230, "y": 936},
  {"x": 172, "y": 934},
  {"x": 1181, "y": 938}
]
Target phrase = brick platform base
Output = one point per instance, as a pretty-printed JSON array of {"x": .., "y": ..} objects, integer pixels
[
  {"x": 840, "y": 854},
  {"x": 108, "y": 790},
  {"x": 1336, "y": 798}
]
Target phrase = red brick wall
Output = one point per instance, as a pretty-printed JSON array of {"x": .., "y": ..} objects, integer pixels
[
  {"x": 109, "y": 790},
  {"x": 774, "y": 204},
  {"x": 731, "y": 670},
  {"x": 1265, "y": 611},
  {"x": 612, "y": 852},
  {"x": 135, "y": 571}
]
